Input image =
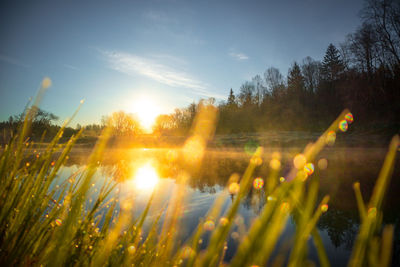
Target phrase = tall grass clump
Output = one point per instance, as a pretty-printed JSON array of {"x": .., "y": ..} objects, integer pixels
[{"x": 47, "y": 222}]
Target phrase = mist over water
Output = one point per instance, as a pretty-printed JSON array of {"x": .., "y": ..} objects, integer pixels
[{"x": 337, "y": 167}]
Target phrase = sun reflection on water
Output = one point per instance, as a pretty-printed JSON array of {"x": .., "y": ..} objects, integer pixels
[{"x": 146, "y": 177}]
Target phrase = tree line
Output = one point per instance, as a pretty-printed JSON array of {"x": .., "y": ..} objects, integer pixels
[{"x": 362, "y": 74}]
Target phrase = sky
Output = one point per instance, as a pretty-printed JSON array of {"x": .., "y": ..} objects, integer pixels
[{"x": 114, "y": 53}]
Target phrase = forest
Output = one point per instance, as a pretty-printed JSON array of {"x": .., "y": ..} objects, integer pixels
[{"x": 361, "y": 74}]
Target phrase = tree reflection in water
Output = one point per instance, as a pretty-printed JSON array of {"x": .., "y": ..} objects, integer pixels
[{"x": 345, "y": 166}]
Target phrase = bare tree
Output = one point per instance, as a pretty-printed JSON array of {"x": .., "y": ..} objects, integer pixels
[
  {"x": 384, "y": 16},
  {"x": 274, "y": 81},
  {"x": 310, "y": 69},
  {"x": 122, "y": 123}
]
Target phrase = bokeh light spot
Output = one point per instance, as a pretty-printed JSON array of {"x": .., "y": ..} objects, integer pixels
[
  {"x": 46, "y": 83},
  {"x": 256, "y": 161},
  {"x": 187, "y": 252},
  {"x": 172, "y": 155},
  {"x": 343, "y": 125},
  {"x": 309, "y": 169},
  {"x": 331, "y": 138},
  {"x": 349, "y": 118},
  {"x": 285, "y": 207},
  {"x": 323, "y": 164},
  {"x": 324, "y": 208},
  {"x": 258, "y": 183},
  {"x": 223, "y": 221},
  {"x": 372, "y": 212},
  {"x": 233, "y": 188},
  {"x": 299, "y": 161},
  {"x": 250, "y": 147},
  {"x": 209, "y": 225},
  {"x": 275, "y": 164},
  {"x": 131, "y": 249},
  {"x": 235, "y": 235}
]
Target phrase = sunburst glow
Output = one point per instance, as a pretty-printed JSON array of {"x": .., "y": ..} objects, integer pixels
[
  {"x": 147, "y": 111},
  {"x": 146, "y": 177}
]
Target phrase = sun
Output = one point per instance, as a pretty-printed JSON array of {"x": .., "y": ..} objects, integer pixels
[{"x": 147, "y": 111}]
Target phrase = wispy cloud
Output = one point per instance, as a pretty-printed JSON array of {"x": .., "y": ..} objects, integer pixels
[
  {"x": 158, "y": 17},
  {"x": 171, "y": 26},
  {"x": 70, "y": 67},
  {"x": 131, "y": 64},
  {"x": 238, "y": 56},
  {"x": 13, "y": 61}
]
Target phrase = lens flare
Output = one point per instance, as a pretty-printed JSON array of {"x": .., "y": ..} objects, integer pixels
[{"x": 343, "y": 125}]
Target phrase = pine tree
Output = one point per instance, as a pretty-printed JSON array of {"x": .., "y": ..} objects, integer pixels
[
  {"x": 295, "y": 79},
  {"x": 231, "y": 99},
  {"x": 332, "y": 65}
]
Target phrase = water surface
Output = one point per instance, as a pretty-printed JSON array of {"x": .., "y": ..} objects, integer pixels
[{"x": 140, "y": 171}]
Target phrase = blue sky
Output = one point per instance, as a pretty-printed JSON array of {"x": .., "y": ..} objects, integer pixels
[{"x": 175, "y": 52}]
